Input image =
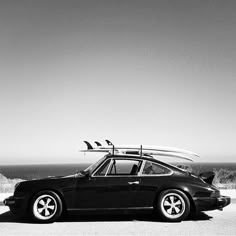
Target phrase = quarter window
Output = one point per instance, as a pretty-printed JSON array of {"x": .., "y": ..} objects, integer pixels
[{"x": 152, "y": 168}]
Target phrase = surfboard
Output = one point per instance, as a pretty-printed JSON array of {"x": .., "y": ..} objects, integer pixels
[
  {"x": 143, "y": 149},
  {"x": 148, "y": 148}
]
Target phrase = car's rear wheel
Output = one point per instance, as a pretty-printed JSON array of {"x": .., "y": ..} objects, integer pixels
[
  {"x": 46, "y": 207},
  {"x": 173, "y": 205}
]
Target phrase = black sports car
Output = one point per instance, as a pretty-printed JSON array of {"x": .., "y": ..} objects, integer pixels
[{"x": 118, "y": 183}]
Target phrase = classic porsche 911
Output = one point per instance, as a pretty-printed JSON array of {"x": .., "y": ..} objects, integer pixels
[{"x": 125, "y": 182}]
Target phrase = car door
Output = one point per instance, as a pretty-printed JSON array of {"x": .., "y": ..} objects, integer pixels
[
  {"x": 152, "y": 177},
  {"x": 114, "y": 184}
]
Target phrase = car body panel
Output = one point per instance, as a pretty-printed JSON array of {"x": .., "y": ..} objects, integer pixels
[
  {"x": 87, "y": 191},
  {"x": 104, "y": 192}
]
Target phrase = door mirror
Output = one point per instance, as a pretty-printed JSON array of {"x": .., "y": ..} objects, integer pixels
[
  {"x": 83, "y": 173},
  {"x": 87, "y": 174}
]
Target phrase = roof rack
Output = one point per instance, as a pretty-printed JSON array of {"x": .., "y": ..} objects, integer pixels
[{"x": 140, "y": 150}]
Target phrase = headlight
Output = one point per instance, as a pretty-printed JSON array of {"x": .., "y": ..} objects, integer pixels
[{"x": 16, "y": 185}]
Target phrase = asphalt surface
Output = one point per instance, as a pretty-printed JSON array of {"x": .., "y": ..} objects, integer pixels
[{"x": 208, "y": 223}]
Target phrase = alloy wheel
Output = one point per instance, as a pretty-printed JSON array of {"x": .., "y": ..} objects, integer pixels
[
  {"x": 45, "y": 207},
  {"x": 173, "y": 205}
]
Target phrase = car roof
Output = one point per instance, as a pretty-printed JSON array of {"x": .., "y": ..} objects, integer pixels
[{"x": 147, "y": 158}]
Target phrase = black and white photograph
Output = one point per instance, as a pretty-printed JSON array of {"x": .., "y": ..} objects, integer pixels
[{"x": 117, "y": 117}]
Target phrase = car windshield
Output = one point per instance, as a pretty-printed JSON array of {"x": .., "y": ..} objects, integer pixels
[{"x": 92, "y": 167}]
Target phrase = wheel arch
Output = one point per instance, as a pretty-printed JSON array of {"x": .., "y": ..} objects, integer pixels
[
  {"x": 192, "y": 204},
  {"x": 60, "y": 195}
]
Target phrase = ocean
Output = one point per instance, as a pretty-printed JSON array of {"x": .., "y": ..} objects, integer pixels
[
  {"x": 36, "y": 171},
  {"x": 28, "y": 172}
]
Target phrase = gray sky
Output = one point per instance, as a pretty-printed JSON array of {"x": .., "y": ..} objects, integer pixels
[{"x": 136, "y": 72}]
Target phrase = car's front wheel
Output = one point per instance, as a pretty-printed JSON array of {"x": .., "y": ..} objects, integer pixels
[
  {"x": 173, "y": 205},
  {"x": 46, "y": 207}
]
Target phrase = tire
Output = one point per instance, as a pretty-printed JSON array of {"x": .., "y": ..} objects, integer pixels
[
  {"x": 173, "y": 205},
  {"x": 46, "y": 207}
]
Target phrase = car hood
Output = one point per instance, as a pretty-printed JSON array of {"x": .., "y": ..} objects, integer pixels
[
  {"x": 52, "y": 182},
  {"x": 48, "y": 181},
  {"x": 59, "y": 177}
]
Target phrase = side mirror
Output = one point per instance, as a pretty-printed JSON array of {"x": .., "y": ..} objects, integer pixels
[
  {"x": 83, "y": 174},
  {"x": 87, "y": 174}
]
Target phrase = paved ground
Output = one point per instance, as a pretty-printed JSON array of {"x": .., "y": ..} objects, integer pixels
[{"x": 209, "y": 223}]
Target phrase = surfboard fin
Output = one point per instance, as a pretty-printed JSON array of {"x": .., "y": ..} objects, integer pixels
[
  {"x": 109, "y": 142},
  {"x": 89, "y": 146},
  {"x": 98, "y": 144}
]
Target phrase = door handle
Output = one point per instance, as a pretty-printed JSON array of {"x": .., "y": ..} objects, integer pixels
[{"x": 135, "y": 182}]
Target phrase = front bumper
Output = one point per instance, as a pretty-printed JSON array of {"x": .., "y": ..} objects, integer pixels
[
  {"x": 211, "y": 203},
  {"x": 17, "y": 205}
]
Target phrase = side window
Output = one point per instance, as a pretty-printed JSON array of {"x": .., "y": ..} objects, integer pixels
[
  {"x": 103, "y": 169},
  {"x": 124, "y": 167},
  {"x": 152, "y": 168}
]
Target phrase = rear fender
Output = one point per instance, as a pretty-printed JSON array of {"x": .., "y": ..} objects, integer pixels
[{"x": 185, "y": 190}]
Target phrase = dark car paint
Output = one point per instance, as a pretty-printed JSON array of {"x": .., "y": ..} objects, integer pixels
[
  {"x": 88, "y": 192},
  {"x": 104, "y": 192}
]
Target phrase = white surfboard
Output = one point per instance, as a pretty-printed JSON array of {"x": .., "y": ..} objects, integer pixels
[{"x": 149, "y": 150}]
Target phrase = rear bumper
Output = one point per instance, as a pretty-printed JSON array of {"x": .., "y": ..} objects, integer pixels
[
  {"x": 211, "y": 203},
  {"x": 223, "y": 201},
  {"x": 17, "y": 205}
]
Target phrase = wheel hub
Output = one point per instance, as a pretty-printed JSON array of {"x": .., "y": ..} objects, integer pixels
[
  {"x": 173, "y": 205},
  {"x": 44, "y": 207}
]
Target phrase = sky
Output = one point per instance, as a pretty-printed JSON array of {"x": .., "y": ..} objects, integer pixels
[{"x": 135, "y": 72}]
